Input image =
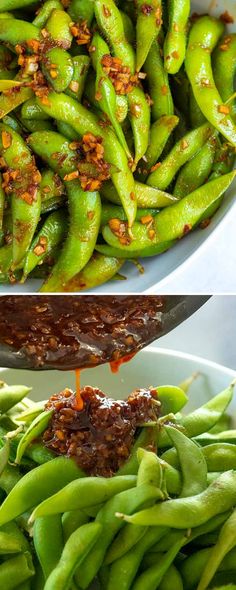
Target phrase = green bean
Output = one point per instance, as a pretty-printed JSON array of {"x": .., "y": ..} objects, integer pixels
[
  {"x": 190, "y": 512},
  {"x": 111, "y": 526},
  {"x": 105, "y": 92},
  {"x": 147, "y": 29},
  {"x": 81, "y": 9},
  {"x": 173, "y": 222},
  {"x": 97, "y": 271},
  {"x": 175, "y": 41},
  {"x": 83, "y": 493},
  {"x": 68, "y": 110},
  {"x": 185, "y": 149},
  {"x": 71, "y": 521},
  {"x": 147, "y": 196},
  {"x": 38, "y": 485},
  {"x": 158, "y": 83},
  {"x": 226, "y": 541},
  {"x": 25, "y": 197},
  {"x": 10, "y": 395},
  {"x": 48, "y": 542},
  {"x": 224, "y": 69},
  {"x": 160, "y": 133},
  {"x": 33, "y": 431},
  {"x": 50, "y": 235},
  {"x": 16, "y": 570},
  {"x": 124, "y": 569},
  {"x": 192, "y": 462},
  {"x": 195, "y": 173},
  {"x": 205, "y": 417},
  {"x": 152, "y": 577},
  {"x": 45, "y": 11},
  {"x": 204, "y": 36},
  {"x": 73, "y": 555},
  {"x": 172, "y": 579}
]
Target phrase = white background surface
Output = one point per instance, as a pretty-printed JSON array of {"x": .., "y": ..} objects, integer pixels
[{"x": 209, "y": 333}]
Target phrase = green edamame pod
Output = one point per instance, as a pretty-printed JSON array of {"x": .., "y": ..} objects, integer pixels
[
  {"x": 4, "y": 455},
  {"x": 13, "y": 4},
  {"x": 172, "y": 222},
  {"x": 44, "y": 13},
  {"x": 226, "y": 541},
  {"x": 175, "y": 41},
  {"x": 195, "y": 173},
  {"x": 172, "y": 579},
  {"x": 149, "y": 19},
  {"x": 19, "y": 568},
  {"x": 9, "y": 102},
  {"x": 205, "y": 417},
  {"x": 140, "y": 117},
  {"x": 172, "y": 399},
  {"x": 152, "y": 577},
  {"x": 71, "y": 521},
  {"x": 160, "y": 133},
  {"x": 58, "y": 27},
  {"x": 15, "y": 31},
  {"x": 192, "y": 462},
  {"x": 115, "y": 212},
  {"x": 97, "y": 271},
  {"x": 190, "y": 512},
  {"x": 105, "y": 92},
  {"x": 68, "y": 110},
  {"x": 141, "y": 253},
  {"x": 50, "y": 235},
  {"x": 48, "y": 542},
  {"x": 32, "y": 489},
  {"x": 111, "y": 24},
  {"x": 203, "y": 38},
  {"x": 195, "y": 114},
  {"x": 129, "y": 29},
  {"x": 83, "y": 493},
  {"x": 81, "y": 9},
  {"x": 10, "y": 395},
  {"x": 58, "y": 68},
  {"x": 33, "y": 431},
  {"x": 147, "y": 197},
  {"x": 7, "y": 64},
  {"x": 158, "y": 83},
  {"x": 81, "y": 65},
  {"x": 182, "y": 152},
  {"x": 79, "y": 544},
  {"x": 224, "y": 70},
  {"x": 67, "y": 131},
  {"x": 31, "y": 110},
  {"x": 25, "y": 194}
]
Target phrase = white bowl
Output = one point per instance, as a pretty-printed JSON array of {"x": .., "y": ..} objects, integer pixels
[
  {"x": 158, "y": 269},
  {"x": 152, "y": 366}
]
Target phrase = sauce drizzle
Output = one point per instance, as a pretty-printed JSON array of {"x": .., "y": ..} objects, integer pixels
[
  {"x": 115, "y": 365},
  {"x": 79, "y": 404}
]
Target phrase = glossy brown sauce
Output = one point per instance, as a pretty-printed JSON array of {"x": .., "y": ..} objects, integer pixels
[
  {"x": 101, "y": 435},
  {"x": 69, "y": 332}
]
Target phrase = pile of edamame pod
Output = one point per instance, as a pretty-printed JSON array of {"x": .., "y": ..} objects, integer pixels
[
  {"x": 166, "y": 520},
  {"x": 117, "y": 134}
]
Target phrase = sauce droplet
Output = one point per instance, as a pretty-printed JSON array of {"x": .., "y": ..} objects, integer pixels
[
  {"x": 115, "y": 365},
  {"x": 79, "y": 404}
]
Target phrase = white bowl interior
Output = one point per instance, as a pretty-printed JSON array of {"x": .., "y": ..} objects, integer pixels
[
  {"x": 152, "y": 366},
  {"x": 159, "y": 268}
]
